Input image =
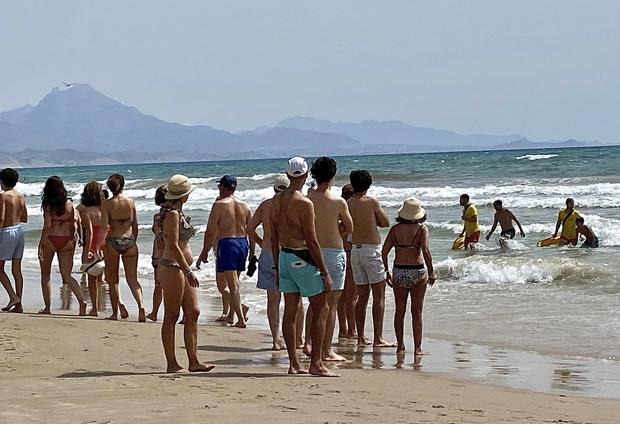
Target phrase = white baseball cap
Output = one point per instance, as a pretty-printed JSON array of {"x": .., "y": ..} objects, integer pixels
[
  {"x": 297, "y": 167},
  {"x": 281, "y": 182}
]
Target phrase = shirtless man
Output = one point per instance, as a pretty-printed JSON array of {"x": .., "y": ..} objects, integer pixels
[
  {"x": 300, "y": 265},
  {"x": 504, "y": 217},
  {"x": 471, "y": 229},
  {"x": 227, "y": 226},
  {"x": 266, "y": 272},
  {"x": 586, "y": 232},
  {"x": 330, "y": 211},
  {"x": 12, "y": 214},
  {"x": 368, "y": 271}
]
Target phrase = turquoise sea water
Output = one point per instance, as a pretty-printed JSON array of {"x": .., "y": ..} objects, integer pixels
[{"x": 559, "y": 301}]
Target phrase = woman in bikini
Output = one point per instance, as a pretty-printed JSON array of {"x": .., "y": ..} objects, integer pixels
[
  {"x": 59, "y": 237},
  {"x": 410, "y": 276},
  {"x": 119, "y": 218},
  {"x": 177, "y": 279},
  {"x": 158, "y": 248}
]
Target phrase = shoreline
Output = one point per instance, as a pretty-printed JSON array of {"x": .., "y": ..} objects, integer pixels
[
  {"x": 61, "y": 368},
  {"x": 480, "y": 363}
]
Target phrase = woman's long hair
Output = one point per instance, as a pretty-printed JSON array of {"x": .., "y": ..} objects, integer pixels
[
  {"x": 54, "y": 197},
  {"x": 92, "y": 194}
]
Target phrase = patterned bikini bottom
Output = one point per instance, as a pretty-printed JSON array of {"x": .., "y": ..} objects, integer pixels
[{"x": 406, "y": 276}]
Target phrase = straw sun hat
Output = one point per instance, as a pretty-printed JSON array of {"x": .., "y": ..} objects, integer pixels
[
  {"x": 178, "y": 186},
  {"x": 411, "y": 210}
]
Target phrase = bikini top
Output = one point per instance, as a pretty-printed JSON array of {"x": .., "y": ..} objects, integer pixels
[
  {"x": 68, "y": 220},
  {"x": 413, "y": 244},
  {"x": 186, "y": 230}
]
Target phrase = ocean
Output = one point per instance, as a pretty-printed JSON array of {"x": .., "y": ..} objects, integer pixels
[{"x": 551, "y": 301}]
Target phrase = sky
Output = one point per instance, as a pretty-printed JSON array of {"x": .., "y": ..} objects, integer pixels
[{"x": 545, "y": 69}]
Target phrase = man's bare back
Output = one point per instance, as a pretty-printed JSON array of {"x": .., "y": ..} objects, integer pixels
[
  {"x": 262, "y": 216},
  {"x": 231, "y": 217},
  {"x": 329, "y": 210},
  {"x": 12, "y": 208},
  {"x": 367, "y": 216},
  {"x": 287, "y": 212}
]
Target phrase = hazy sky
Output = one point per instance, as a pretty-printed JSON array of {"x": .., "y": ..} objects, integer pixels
[{"x": 546, "y": 69}]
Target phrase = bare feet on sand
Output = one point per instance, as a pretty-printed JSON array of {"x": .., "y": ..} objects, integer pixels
[
  {"x": 322, "y": 372},
  {"x": 363, "y": 341},
  {"x": 11, "y": 304},
  {"x": 383, "y": 343},
  {"x": 277, "y": 346},
  {"x": 152, "y": 316},
  {"x": 45, "y": 311},
  {"x": 401, "y": 349},
  {"x": 240, "y": 324},
  {"x": 172, "y": 368},
  {"x": 17, "y": 309},
  {"x": 124, "y": 311},
  {"x": 200, "y": 367},
  {"x": 112, "y": 318},
  {"x": 83, "y": 306},
  {"x": 244, "y": 310},
  {"x": 307, "y": 350},
  {"x": 420, "y": 352},
  {"x": 93, "y": 313},
  {"x": 141, "y": 315},
  {"x": 222, "y": 318},
  {"x": 352, "y": 336},
  {"x": 297, "y": 370},
  {"x": 334, "y": 357}
]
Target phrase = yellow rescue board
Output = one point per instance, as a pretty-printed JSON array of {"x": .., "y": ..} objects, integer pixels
[
  {"x": 549, "y": 241},
  {"x": 458, "y": 243}
]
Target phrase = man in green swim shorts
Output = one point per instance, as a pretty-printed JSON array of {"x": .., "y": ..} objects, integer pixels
[{"x": 301, "y": 270}]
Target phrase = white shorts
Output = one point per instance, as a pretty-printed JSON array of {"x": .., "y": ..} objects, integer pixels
[{"x": 367, "y": 264}]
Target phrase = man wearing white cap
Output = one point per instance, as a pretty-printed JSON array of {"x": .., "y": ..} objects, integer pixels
[
  {"x": 266, "y": 271},
  {"x": 227, "y": 226},
  {"x": 300, "y": 265}
]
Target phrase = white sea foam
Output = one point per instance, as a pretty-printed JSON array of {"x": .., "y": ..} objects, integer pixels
[
  {"x": 536, "y": 157},
  {"x": 494, "y": 270}
]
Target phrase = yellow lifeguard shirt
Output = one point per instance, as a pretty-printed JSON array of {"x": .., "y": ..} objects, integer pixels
[
  {"x": 569, "y": 229},
  {"x": 471, "y": 227}
]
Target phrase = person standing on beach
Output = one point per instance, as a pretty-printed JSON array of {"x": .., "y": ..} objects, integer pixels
[
  {"x": 266, "y": 271},
  {"x": 119, "y": 215},
  {"x": 409, "y": 276},
  {"x": 471, "y": 229},
  {"x": 90, "y": 214},
  {"x": 59, "y": 237},
  {"x": 228, "y": 222},
  {"x": 158, "y": 248},
  {"x": 348, "y": 299},
  {"x": 13, "y": 213},
  {"x": 567, "y": 219},
  {"x": 504, "y": 218},
  {"x": 333, "y": 221},
  {"x": 177, "y": 279},
  {"x": 368, "y": 271},
  {"x": 301, "y": 270}
]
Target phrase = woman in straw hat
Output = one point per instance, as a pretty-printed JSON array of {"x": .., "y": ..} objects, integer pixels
[
  {"x": 409, "y": 237},
  {"x": 177, "y": 279}
]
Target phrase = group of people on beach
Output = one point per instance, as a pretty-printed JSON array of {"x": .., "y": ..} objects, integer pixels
[{"x": 322, "y": 246}]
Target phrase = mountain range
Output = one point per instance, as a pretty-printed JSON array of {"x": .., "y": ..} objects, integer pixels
[{"x": 80, "y": 125}]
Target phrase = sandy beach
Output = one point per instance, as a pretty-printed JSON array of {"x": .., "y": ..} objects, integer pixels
[{"x": 62, "y": 368}]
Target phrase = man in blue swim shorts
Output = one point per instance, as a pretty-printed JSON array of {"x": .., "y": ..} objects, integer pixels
[
  {"x": 13, "y": 213},
  {"x": 301, "y": 268},
  {"x": 332, "y": 221},
  {"x": 228, "y": 222}
]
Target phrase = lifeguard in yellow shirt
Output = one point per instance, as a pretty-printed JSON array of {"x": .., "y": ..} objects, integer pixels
[
  {"x": 471, "y": 229},
  {"x": 567, "y": 219}
]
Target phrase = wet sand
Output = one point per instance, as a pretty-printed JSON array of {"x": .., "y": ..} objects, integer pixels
[{"x": 62, "y": 368}]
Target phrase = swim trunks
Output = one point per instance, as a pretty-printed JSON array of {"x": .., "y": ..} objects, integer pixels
[
  {"x": 510, "y": 234},
  {"x": 11, "y": 243},
  {"x": 298, "y": 276},
  {"x": 593, "y": 244},
  {"x": 473, "y": 238},
  {"x": 406, "y": 276},
  {"x": 336, "y": 262},
  {"x": 266, "y": 273},
  {"x": 471, "y": 227},
  {"x": 232, "y": 252},
  {"x": 367, "y": 264}
]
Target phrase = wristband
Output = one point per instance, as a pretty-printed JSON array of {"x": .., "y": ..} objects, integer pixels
[{"x": 324, "y": 274}]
